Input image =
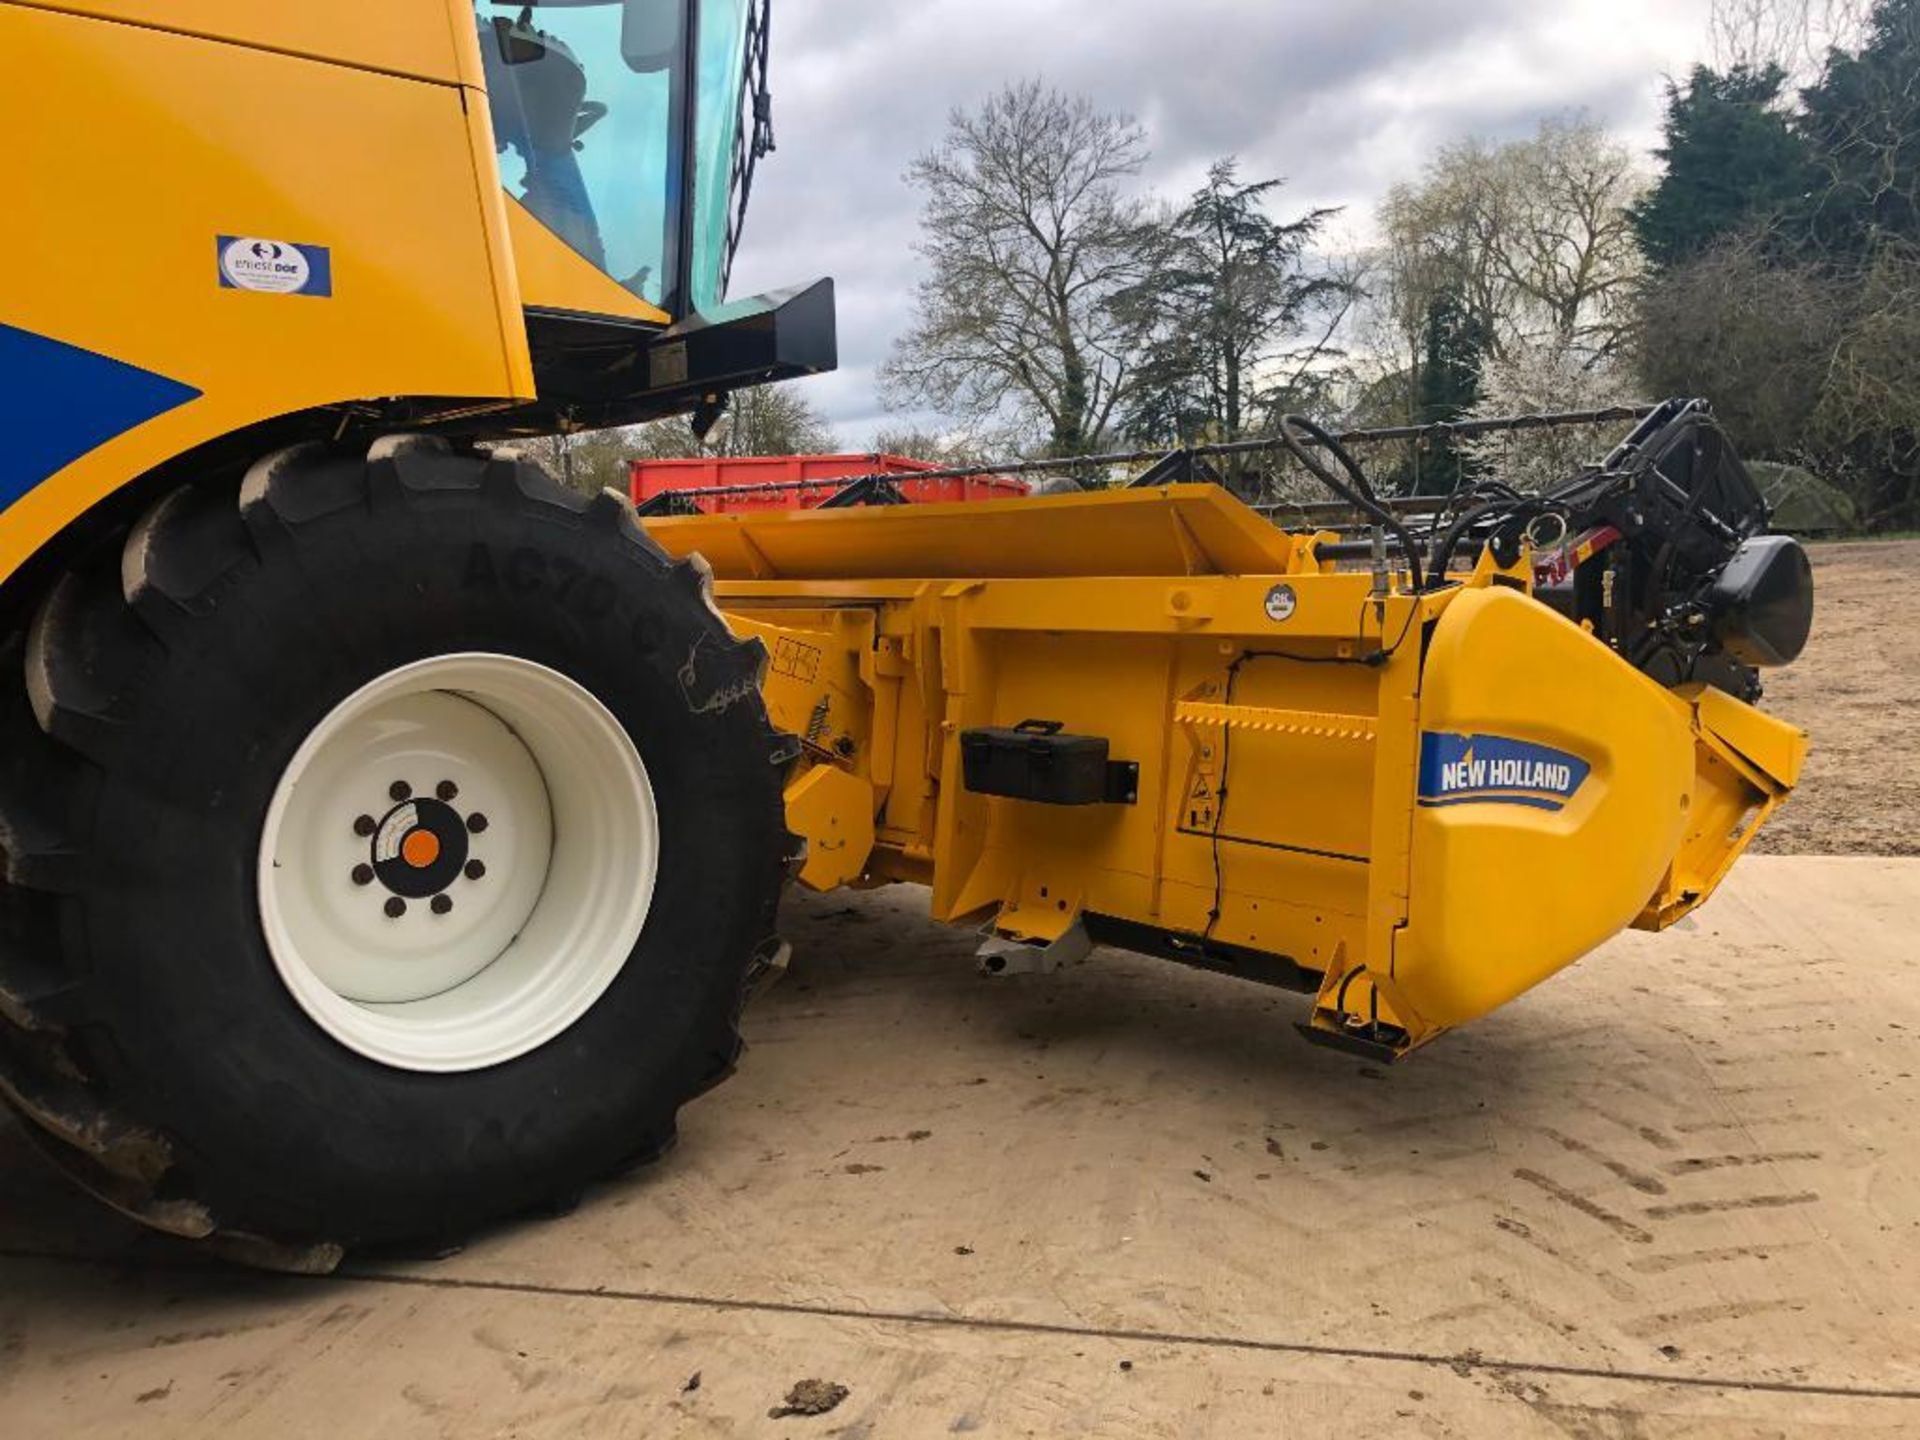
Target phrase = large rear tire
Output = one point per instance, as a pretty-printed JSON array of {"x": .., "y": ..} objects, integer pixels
[{"x": 389, "y": 848}]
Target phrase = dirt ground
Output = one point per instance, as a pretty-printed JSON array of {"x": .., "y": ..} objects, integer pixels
[
  {"x": 1671, "y": 1193},
  {"x": 1856, "y": 692}
]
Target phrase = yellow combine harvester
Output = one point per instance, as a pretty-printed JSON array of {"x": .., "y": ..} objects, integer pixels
[{"x": 391, "y": 836}]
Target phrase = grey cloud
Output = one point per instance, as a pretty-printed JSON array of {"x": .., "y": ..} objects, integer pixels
[{"x": 1343, "y": 99}]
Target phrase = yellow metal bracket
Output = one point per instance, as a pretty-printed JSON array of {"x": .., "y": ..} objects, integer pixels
[
  {"x": 1747, "y": 763},
  {"x": 832, "y": 810},
  {"x": 1363, "y": 1009}
]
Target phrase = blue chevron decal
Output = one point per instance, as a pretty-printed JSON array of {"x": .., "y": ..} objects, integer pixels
[{"x": 58, "y": 401}]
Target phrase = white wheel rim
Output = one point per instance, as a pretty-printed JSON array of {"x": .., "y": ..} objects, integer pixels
[{"x": 380, "y": 923}]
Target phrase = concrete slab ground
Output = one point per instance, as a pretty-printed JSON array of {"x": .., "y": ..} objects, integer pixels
[{"x": 1673, "y": 1192}]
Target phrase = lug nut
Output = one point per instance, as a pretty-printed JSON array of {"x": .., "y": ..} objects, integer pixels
[
  {"x": 364, "y": 825},
  {"x": 400, "y": 790},
  {"x": 475, "y": 869},
  {"x": 396, "y": 907},
  {"x": 446, "y": 789},
  {"x": 476, "y": 822},
  {"x": 441, "y": 904},
  {"x": 363, "y": 874}
]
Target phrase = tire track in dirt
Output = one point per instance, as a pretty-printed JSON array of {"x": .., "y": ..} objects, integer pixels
[
  {"x": 1742, "y": 1202},
  {"x": 1724, "y": 1162},
  {"x": 1619, "y": 1224}
]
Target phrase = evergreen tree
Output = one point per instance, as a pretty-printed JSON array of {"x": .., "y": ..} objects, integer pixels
[
  {"x": 1732, "y": 159},
  {"x": 1863, "y": 122},
  {"x": 1456, "y": 345},
  {"x": 1232, "y": 314},
  {"x": 1803, "y": 332}
]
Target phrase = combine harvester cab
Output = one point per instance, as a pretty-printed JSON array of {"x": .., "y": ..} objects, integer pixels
[{"x": 1155, "y": 719}]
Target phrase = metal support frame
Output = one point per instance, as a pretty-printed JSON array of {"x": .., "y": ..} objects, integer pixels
[{"x": 753, "y": 139}]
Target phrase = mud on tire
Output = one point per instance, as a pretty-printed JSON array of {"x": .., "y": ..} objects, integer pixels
[{"x": 147, "y": 713}]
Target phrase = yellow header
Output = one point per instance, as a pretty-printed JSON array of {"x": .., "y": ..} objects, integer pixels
[{"x": 1171, "y": 530}]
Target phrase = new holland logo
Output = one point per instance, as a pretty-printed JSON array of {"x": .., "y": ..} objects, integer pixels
[{"x": 1492, "y": 770}]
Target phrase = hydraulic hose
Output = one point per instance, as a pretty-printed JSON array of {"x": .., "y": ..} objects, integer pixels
[
  {"x": 1449, "y": 540},
  {"x": 1359, "y": 494},
  {"x": 1509, "y": 509}
]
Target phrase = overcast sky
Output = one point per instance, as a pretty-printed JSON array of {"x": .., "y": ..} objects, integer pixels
[{"x": 1342, "y": 98}]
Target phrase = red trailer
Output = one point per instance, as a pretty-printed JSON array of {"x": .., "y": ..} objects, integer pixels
[{"x": 801, "y": 482}]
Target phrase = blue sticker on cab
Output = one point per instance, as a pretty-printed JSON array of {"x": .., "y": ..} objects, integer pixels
[{"x": 274, "y": 267}]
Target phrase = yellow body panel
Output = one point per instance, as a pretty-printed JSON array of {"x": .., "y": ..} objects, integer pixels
[
  {"x": 404, "y": 38},
  {"x": 180, "y": 141},
  {"x": 555, "y": 276},
  {"x": 1504, "y": 892},
  {"x": 1283, "y": 815}
]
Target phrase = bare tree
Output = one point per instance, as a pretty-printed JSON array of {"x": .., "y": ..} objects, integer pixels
[
  {"x": 1508, "y": 246},
  {"x": 1755, "y": 337},
  {"x": 587, "y": 461},
  {"x": 1029, "y": 233},
  {"x": 1533, "y": 235},
  {"x": 1868, "y": 416},
  {"x": 764, "y": 420},
  {"x": 952, "y": 447},
  {"x": 1572, "y": 252},
  {"x": 1386, "y": 329},
  {"x": 1792, "y": 34},
  {"x": 1446, "y": 233},
  {"x": 1808, "y": 363}
]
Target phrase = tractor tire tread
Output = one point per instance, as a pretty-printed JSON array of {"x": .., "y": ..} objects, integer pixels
[{"x": 89, "y": 646}]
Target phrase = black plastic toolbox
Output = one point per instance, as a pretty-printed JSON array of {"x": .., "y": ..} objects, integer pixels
[{"x": 1035, "y": 761}]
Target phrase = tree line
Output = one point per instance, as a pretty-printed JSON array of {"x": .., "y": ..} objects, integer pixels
[
  {"x": 1770, "y": 263},
  {"x": 1067, "y": 313},
  {"x": 1768, "y": 260},
  {"x": 1783, "y": 244}
]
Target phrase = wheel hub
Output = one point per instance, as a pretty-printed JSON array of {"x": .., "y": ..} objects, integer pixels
[
  {"x": 458, "y": 861},
  {"x": 419, "y": 848}
]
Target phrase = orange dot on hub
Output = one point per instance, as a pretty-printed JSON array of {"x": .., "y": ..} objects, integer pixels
[{"x": 420, "y": 849}]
